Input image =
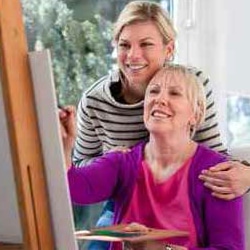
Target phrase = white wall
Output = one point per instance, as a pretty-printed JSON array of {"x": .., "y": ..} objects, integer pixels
[
  {"x": 218, "y": 42},
  {"x": 237, "y": 45}
]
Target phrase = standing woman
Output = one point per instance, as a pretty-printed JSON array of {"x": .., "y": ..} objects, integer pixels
[{"x": 110, "y": 113}]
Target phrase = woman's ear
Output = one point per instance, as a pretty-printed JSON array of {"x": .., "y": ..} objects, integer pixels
[
  {"x": 195, "y": 117},
  {"x": 193, "y": 120},
  {"x": 169, "y": 50},
  {"x": 192, "y": 123}
]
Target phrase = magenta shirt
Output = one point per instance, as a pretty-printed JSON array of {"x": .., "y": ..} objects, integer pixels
[
  {"x": 163, "y": 204},
  {"x": 218, "y": 223}
]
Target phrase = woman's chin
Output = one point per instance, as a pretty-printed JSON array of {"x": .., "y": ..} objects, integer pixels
[{"x": 159, "y": 130}]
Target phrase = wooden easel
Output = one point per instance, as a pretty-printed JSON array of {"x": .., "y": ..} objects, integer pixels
[{"x": 23, "y": 131}]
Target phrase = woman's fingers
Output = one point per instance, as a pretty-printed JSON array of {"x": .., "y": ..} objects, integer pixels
[
  {"x": 218, "y": 189},
  {"x": 227, "y": 180},
  {"x": 222, "y": 196},
  {"x": 136, "y": 227},
  {"x": 63, "y": 131},
  {"x": 68, "y": 121},
  {"x": 68, "y": 130},
  {"x": 217, "y": 180},
  {"x": 223, "y": 166}
]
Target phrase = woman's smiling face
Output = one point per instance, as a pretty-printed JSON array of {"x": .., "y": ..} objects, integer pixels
[
  {"x": 167, "y": 108},
  {"x": 140, "y": 53}
]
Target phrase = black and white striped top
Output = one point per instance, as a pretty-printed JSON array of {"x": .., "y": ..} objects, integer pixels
[{"x": 103, "y": 123}]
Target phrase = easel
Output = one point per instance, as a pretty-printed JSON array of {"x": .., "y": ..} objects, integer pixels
[{"x": 23, "y": 131}]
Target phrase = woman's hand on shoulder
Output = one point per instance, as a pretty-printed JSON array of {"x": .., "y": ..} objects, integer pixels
[{"x": 227, "y": 180}]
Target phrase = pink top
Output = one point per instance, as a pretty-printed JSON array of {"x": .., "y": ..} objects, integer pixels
[{"x": 163, "y": 205}]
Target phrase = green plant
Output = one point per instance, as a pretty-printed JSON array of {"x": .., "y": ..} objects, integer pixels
[{"x": 81, "y": 51}]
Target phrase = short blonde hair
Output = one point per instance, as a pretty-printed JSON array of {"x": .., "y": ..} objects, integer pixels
[
  {"x": 195, "y": 89},
  {"x": 142, "y": 11}
]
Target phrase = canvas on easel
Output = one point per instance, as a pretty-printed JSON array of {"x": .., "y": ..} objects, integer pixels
[
  {"x": 48, "y": 121},
  {"x": 35, "y": 210}
]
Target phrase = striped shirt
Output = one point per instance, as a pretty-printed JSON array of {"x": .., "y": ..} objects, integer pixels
[{"x": 103, "y": 123}]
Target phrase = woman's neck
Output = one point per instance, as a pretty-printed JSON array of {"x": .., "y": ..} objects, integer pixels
[
  {"x": 166, "y": 157},
  {"x": 130, "y": 96}
]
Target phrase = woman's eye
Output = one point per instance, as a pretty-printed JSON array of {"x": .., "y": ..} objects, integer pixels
[
  {"x": 124, "y": 46},
  {"x": 146, "y": 44},
  {"x": 153, "y": 91},
  {"x": 175, "y": 93}
]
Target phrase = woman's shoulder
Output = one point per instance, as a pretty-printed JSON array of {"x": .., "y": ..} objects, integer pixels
[
  {"x": 206, "y": 157},
  {"x": 99, "y": 92},
  {"x": 133, "y": 155},
  {"x": 126, "y": 157},
  {"x": 198, "y": 73},
  {"x": 201, "y": 77},
  {"x": 98, "y": 86}
]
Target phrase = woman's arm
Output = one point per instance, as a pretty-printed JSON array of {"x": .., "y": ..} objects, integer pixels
[{"x": 96, "y": 182}]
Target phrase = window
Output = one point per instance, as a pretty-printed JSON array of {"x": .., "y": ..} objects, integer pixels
[
  {"x": 238, "y": 119},
  {"x": 78, "y": 33}
]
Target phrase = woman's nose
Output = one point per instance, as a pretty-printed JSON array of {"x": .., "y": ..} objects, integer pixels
[
  {"x": 134, "y": 52},
  {"x": 162, "y": 99}
]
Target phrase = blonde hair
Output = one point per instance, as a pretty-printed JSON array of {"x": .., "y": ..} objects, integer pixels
[
  {"x": 195, "y": 90},
  {"x": 142, "y": 11}
]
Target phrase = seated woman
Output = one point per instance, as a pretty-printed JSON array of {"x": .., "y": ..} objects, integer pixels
[{"x": 156, "y": 183}]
